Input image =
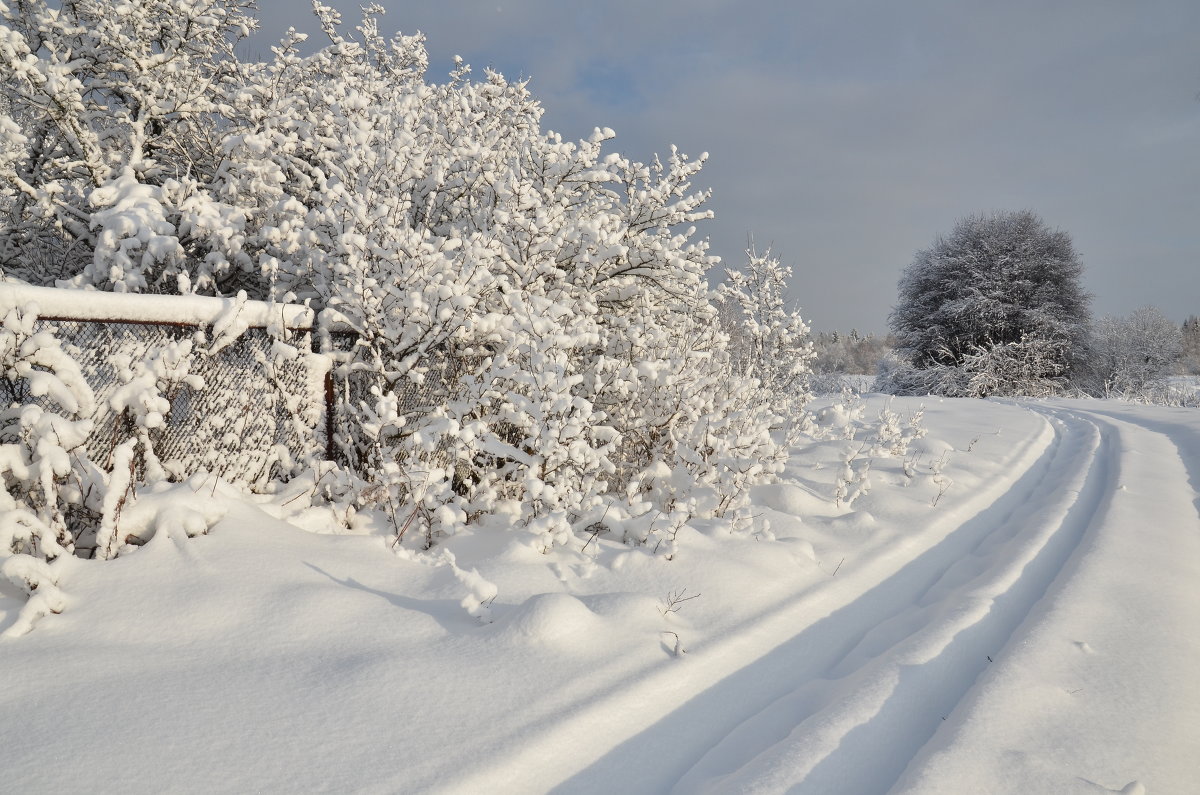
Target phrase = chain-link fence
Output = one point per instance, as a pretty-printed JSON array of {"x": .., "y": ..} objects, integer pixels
[
  {"x": 439, "y": 384},
  {"x": 257, "y": 416}
]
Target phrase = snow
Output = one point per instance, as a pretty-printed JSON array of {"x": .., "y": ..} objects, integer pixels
[
  {"x": 1102, "y": 663},
  {"x": 1035, "y": 630},
  {"x": 192, "y": 310}
]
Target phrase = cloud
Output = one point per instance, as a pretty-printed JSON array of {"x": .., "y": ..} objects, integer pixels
[{"x": 851, "y": 133}]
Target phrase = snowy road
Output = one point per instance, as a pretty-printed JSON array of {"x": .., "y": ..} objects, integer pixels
[
  {"x": 1034, "y": 629},
  {"x": 1018, "y": 654},
  {"x": 1097, "y": 690},
  {"x": 1021, "y": 654}
]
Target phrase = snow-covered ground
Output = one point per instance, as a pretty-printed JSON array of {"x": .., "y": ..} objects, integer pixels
[{"x": 1014, "y": 606}]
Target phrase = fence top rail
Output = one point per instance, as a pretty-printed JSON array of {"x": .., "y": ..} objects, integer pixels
[{"x": 180, "y": 310}]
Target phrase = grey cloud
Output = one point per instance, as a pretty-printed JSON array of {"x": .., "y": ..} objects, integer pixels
[{"x": 851, "y": 133}]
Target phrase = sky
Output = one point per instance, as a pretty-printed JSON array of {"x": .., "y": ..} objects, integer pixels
[{"x": 846, "y": 135}]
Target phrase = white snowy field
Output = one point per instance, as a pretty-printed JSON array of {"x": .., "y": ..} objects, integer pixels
[{"x": 1013, "y": 608}]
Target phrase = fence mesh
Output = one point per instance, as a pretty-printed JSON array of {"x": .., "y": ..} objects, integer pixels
[
  {"x": 258, "y": 416},
  {"x": 439, "y": 385},
  {"x": 254, "y": 416}
]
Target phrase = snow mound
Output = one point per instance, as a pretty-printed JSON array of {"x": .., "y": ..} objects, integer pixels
[
  {"x": 553, "y": 619},
  {"x": 790, "y": 499}
]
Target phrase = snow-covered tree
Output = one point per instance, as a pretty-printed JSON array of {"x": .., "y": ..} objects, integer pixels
[
  {"x": 1129, "y": 354},
  {"x": 534, "y": 330},
  {"x": 1000, "y": 296},
  {"x": 111, "y": 134},
  {"x": 1191, "y": 345},
  {"x": 545, "y": 299},
  {"x": 768, "y": 340}
]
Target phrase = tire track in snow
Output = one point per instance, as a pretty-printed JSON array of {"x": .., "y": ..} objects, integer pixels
[
  {"x": 855, "y": 726},
  {"x": 1119, "y": 626},
  {"x": 685, "y": 706},
  {"x": 801, "y": 700},
  {"x": 1189, "y": 458}
]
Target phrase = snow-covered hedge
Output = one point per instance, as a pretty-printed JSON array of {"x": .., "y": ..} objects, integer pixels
[{"x": 548, "y": 296}]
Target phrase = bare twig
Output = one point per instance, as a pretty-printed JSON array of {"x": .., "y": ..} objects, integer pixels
[
  {"x": 596, "y": 528},
  {"x": 675, "y": 599}
]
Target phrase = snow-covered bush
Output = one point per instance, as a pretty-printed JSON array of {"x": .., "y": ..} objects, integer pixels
[
  {"x": 853, "y": 478},
  {"x": 1030, "y": 367},
  {"x": 553, "y": 294},
  {"x": 893, "y": 434},
  {"x": 44, "y": 472},
  {"x": 995, "y": 308},
  {"x": 768, "y": 341},
  {"x": 144, "y": 397},
  {"x": 47, "y": 480},
  {"x": 144, "y": 401},
  {"x": 1132, "y": 355}
]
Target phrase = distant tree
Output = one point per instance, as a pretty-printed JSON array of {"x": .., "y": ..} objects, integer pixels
[
  {"x": 856, "y": 354},
  {"x": 1190, "y": 363},
  {"x": 995, "y": 307},
  {"x": 1128, "y": 354}
]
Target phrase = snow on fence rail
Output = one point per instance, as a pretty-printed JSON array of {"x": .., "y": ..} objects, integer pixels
[{"x": 264, "y": 400}]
